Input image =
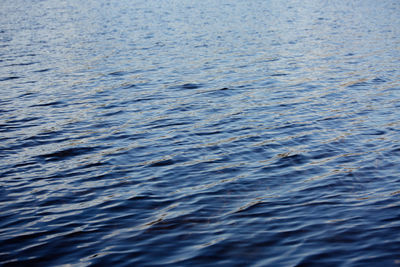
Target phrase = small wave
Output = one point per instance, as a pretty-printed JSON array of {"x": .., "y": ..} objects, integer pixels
[
  {"x": 54, "y": 103},
  {"x": 9, "y": 78},
  {"x": 67, "y": 153},
  {"x": 189, "y": 86}
]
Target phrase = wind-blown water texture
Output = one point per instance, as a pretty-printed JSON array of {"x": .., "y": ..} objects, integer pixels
[{"x": 148, "y": 133}]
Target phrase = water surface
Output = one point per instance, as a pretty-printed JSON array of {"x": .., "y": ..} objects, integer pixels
[{"x": 147, "y": 133}]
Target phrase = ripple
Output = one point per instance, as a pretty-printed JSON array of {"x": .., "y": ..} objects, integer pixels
[
  {"x": 190, "y": 86},
  {"x": 66, "y": 153},
  {"x": 42, "y": 70},
  {"x": 9, "y": 78},
  {"x": 53, "y": 103}
]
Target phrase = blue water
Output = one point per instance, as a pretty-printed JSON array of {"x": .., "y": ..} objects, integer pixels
[{"x": 179, "y": 133}]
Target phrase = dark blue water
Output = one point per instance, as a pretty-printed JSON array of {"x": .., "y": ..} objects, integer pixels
[{"x": 178, "y": 133}]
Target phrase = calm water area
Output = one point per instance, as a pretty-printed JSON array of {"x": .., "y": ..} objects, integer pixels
[{"x": 217, "y": 133}]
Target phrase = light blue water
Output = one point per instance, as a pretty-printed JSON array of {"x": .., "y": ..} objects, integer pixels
[{"x": 148, "y": 133}]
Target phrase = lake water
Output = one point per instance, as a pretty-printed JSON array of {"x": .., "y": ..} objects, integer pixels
[{"x": 179, "y": 133}]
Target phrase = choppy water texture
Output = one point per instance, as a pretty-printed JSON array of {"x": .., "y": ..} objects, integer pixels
[{"x": 145, "y": 133}]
